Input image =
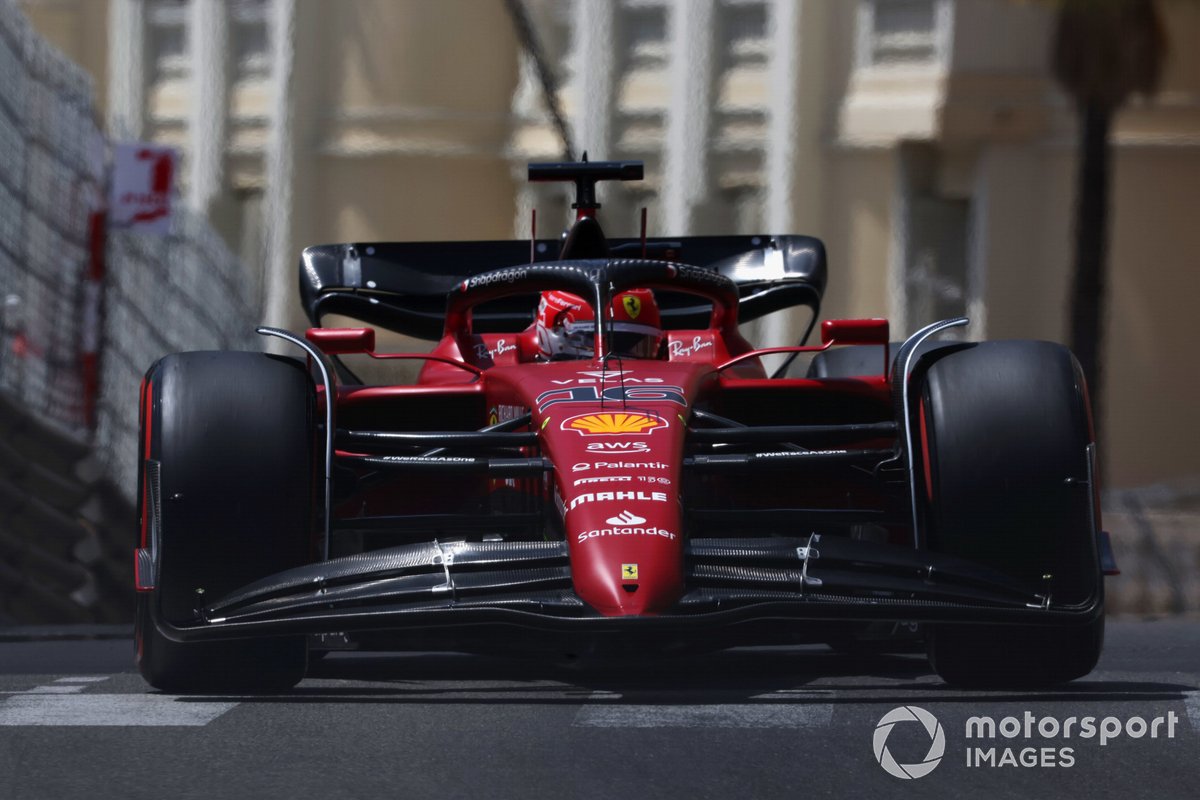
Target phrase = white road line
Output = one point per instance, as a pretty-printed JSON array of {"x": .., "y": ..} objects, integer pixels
[
  {"x": 1192, "y": 701},
  {"x": 730, "y": 715},
  {"x": 68, "y": 685},
  {"x": 108, "y": 710}
]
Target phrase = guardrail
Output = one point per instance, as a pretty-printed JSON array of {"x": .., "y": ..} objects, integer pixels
[
  {"x": 51, "y": 172},
  {"x": 184, "y": 291},
  {"x": 72, "y": 348}
]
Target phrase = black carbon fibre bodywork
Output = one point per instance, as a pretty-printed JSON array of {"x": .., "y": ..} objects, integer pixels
[
  {"x": 403, "y": 286},
  {"x": 527, "y": 584}
]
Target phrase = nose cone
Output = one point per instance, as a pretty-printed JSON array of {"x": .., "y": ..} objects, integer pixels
[
  {"x": 627, "y": 554},
  {"x": 616, "y": 437}
]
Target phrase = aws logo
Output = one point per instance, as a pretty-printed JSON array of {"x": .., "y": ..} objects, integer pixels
[
  {"x": 618, "y": 447},
  {"x": 613, "y": 424}
]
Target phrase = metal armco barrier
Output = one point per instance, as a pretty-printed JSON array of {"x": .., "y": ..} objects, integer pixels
[
  {"x": 84, "y": 310},
  {"x": 51, "y": 171},
  {"x": 162, "y": 295}
]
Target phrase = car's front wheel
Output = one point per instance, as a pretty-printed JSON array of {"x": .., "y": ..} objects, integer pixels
[
  {"x": 1003, "y": 446},
  {"x": 231, "y": 436}
]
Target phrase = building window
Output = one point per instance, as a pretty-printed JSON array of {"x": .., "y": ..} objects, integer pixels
[
  {"x": 902, "y": 32},
  {"x": 936, "y": 275},
  {"x": 644, "y": 27},
  {"x": 742, "y": 95},
  {"x": 251, "y": 43},
  {"x": 640, "y": 80},
  {"x": 934, "y": 239},
  {"x": 744, "y": 26},
  {"x": 168, "y": 39}
]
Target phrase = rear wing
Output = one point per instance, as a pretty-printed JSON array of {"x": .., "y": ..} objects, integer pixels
[{"x": 403, "y": 286}]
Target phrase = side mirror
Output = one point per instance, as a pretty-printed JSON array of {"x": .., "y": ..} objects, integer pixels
[
  {"x": 855, "y": 331},
  {"x": 340, "y": 341}
]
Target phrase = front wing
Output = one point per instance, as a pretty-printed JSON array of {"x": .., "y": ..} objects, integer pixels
[{"x": 445, "y": 584}]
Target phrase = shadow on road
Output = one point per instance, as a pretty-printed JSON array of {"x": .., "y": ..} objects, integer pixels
[{"x": 793, "y": 676}]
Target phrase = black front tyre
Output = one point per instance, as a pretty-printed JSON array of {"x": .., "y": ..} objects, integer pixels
[
  {"x": 233, "y": 435},
  {"x": 1003, "y": 432}
]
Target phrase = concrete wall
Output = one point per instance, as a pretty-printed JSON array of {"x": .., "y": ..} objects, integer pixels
[{"x": 1150, "y": 422}]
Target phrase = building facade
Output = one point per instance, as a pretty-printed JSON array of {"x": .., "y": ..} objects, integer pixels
[{"x": 923, "y": 140}]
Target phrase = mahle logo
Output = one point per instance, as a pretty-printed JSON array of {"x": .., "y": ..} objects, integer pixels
[{"x": 937, "y": 742}]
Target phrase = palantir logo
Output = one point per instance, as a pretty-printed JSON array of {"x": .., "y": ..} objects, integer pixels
[{"x": 937, "y": 742}]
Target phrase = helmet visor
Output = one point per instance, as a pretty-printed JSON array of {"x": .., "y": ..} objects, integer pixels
[{"x": 628, "y": 339}]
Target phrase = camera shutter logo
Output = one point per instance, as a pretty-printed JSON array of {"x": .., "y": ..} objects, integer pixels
[{"x": 937, "y": 742}]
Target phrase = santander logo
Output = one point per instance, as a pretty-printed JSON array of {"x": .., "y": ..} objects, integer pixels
[{"x": 625, "y": 518}]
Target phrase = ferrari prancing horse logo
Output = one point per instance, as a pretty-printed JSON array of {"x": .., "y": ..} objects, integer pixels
[
  {"x": 629, "y": 572},
  {"x": 633, "y": 305}
]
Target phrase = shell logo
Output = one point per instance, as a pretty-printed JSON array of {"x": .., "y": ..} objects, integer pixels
[{"x": 601, "y": 424}]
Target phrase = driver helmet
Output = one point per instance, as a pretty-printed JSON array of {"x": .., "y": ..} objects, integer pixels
[{"x": 566, "y": 325}]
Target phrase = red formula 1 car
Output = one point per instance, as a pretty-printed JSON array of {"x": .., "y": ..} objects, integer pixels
[{"x": 593, "y": 456}]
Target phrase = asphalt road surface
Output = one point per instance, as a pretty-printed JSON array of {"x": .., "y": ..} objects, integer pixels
[{"x": 77, "y": 721}]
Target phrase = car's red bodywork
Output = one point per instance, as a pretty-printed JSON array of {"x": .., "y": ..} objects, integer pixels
[
  {"x": 615, "y": 431},
  {"x": 611, "y": 494}
]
